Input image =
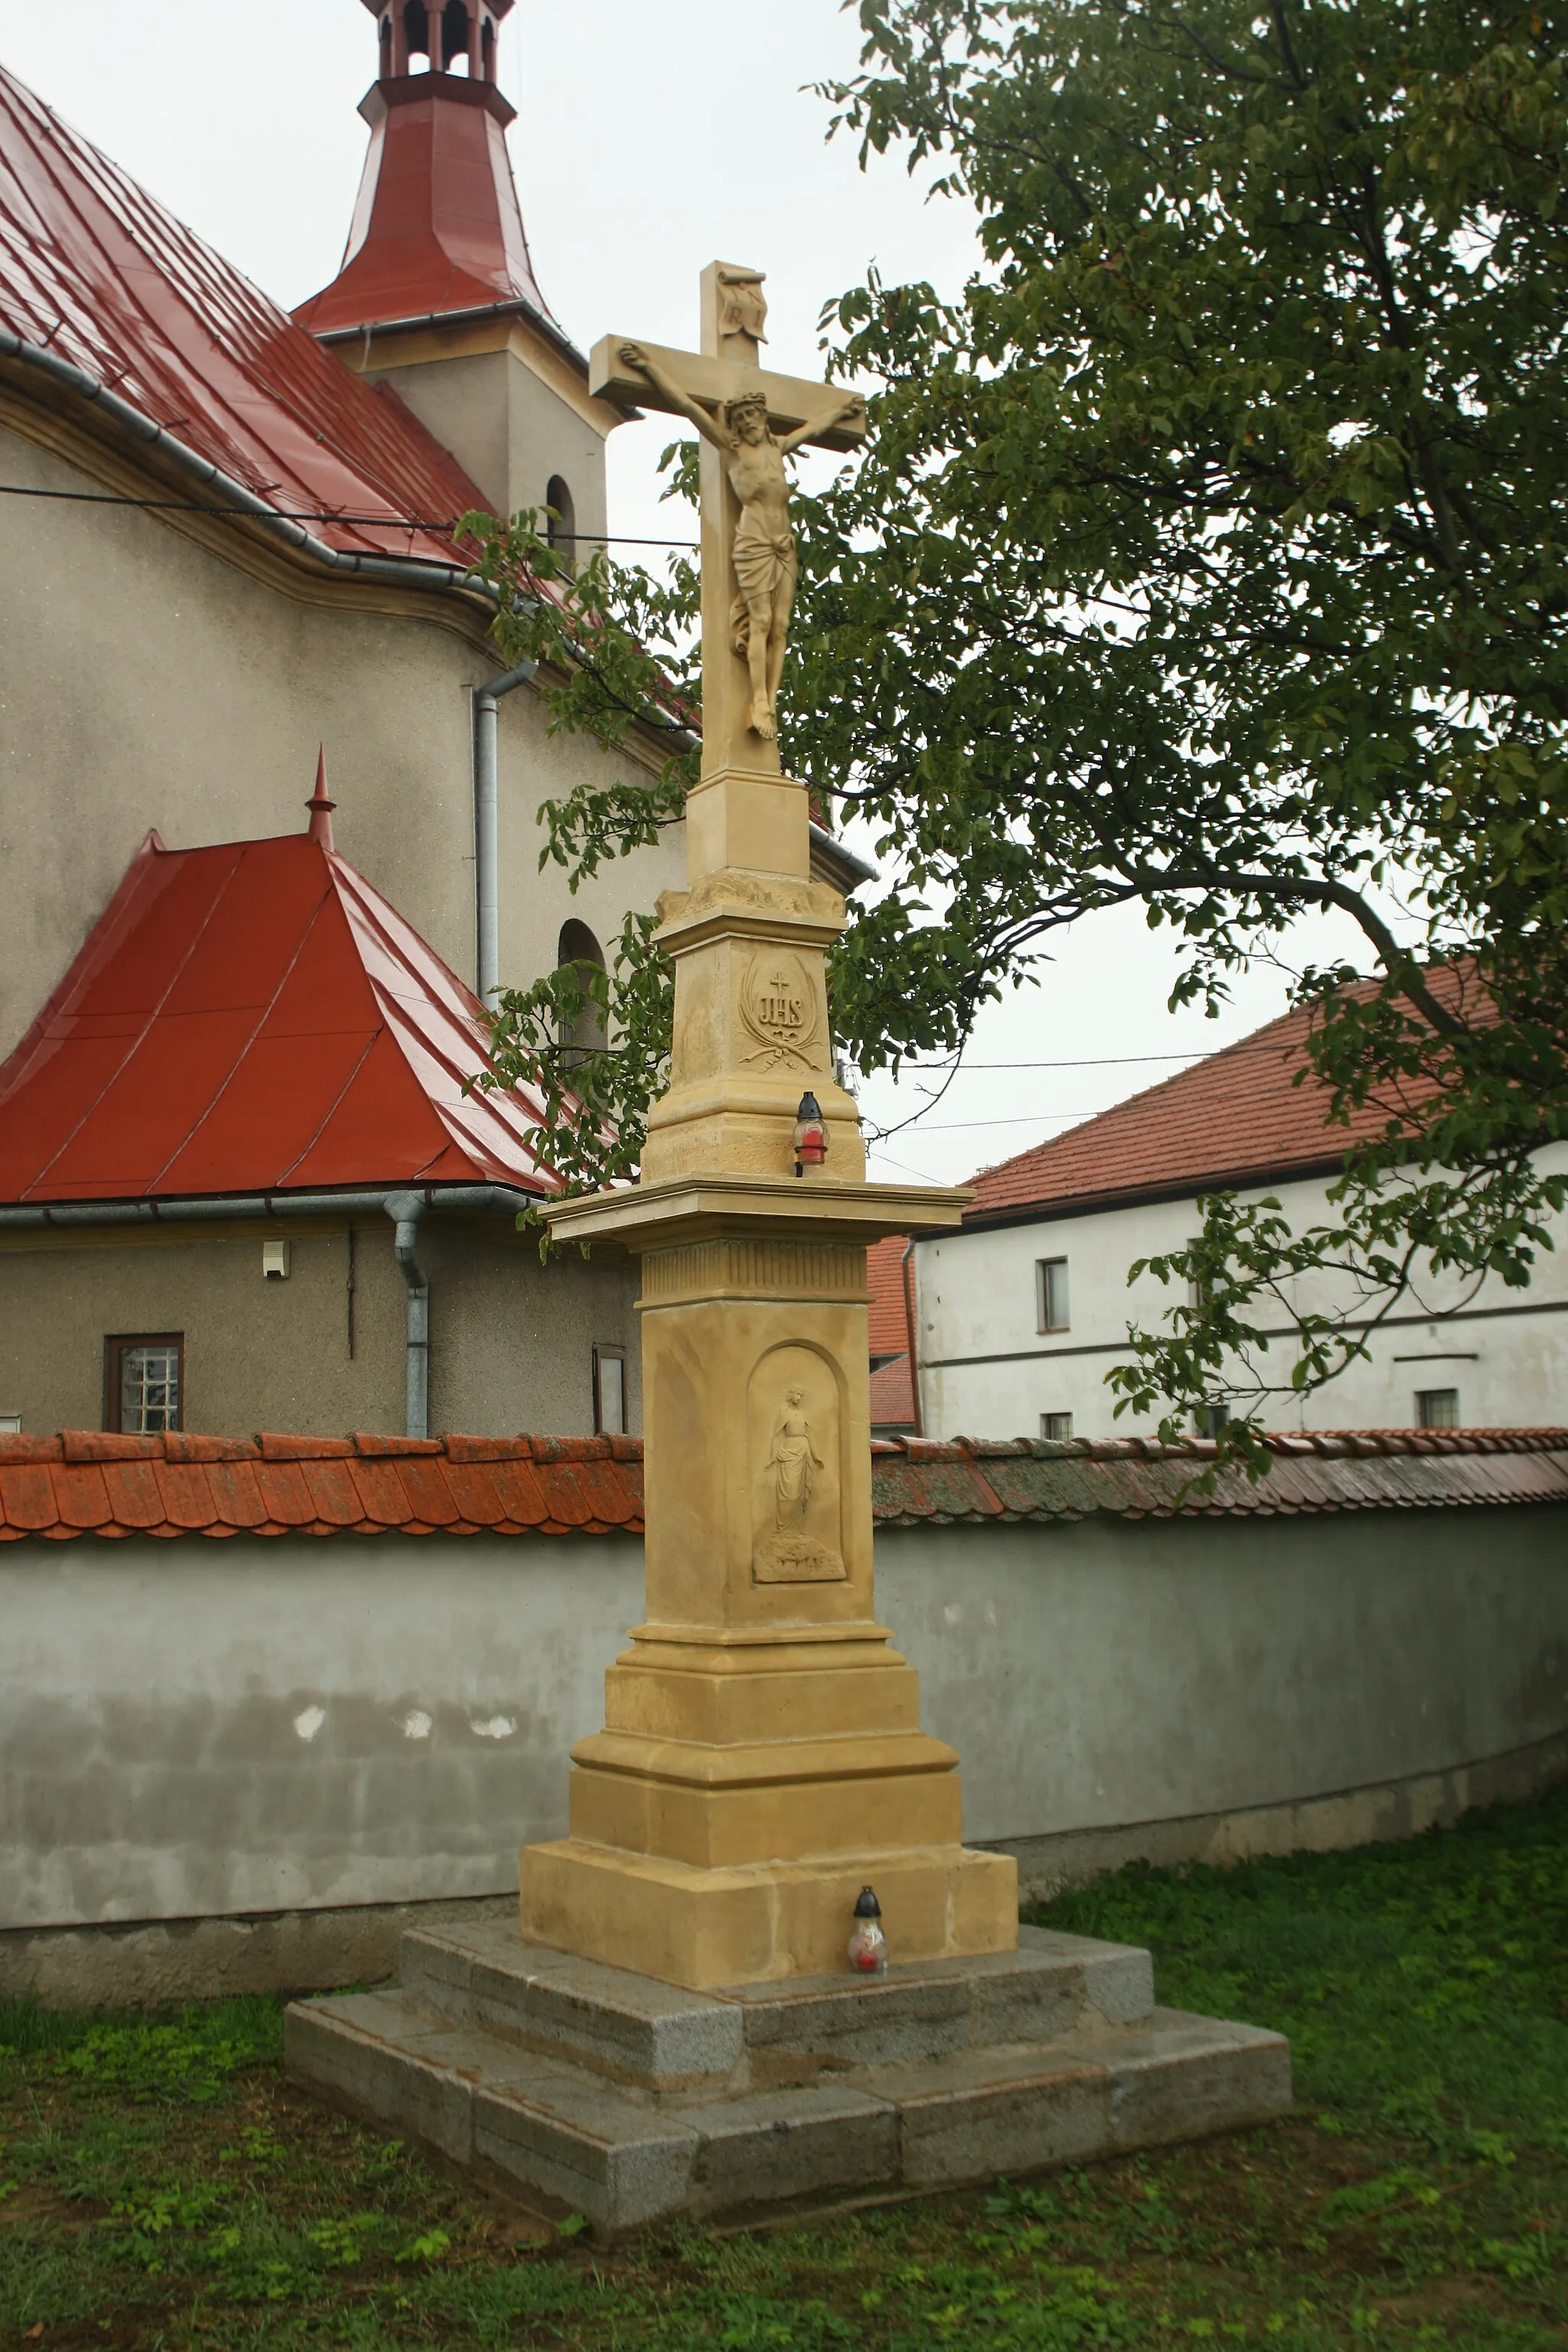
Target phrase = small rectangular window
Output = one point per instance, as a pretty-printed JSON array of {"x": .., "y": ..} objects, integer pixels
[
  {"x": 1437, "y": 1408},
  {"x": 1051, "y": 1294},
  {"x": 610, "y": 1391},
  {"x": 1210, "y": 1420},
  {"x": 1056, "y": 1426},
  {"x": 10, "y": 1425},
  {"x": 144, "y": 1381}
]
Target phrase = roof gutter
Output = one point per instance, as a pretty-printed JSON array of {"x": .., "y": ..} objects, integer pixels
[
  {"x": 474, "y": 314},
  {"x": 230, "y": 1205},
  {"x": 401, "y": 570}
]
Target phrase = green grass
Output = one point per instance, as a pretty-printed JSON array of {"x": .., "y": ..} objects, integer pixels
[{"x": 161, "y": 2186}]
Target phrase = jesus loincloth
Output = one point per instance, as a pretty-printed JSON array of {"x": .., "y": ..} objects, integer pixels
[{"x": 763, "y": 561}]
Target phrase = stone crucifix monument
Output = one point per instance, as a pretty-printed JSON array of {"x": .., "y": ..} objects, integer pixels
[
  {"x": 674, "y": 2025},
  {"x": 762, "y": 1757}
]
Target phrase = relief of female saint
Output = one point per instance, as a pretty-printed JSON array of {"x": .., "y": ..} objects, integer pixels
[
  {"x": 764, "y": 554},
  {"x": 792, "y": 1458}
]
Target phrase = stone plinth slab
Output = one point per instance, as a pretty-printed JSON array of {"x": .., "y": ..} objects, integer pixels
[
  {"x": 762, "y": 1921},
  {"x": 632, "y": 2100}
]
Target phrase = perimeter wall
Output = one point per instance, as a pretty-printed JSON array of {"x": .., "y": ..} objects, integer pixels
[{"x": 234, "y": 1764}]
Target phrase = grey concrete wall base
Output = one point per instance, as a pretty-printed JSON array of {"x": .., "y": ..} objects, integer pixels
[
  {"x": 1350, "y": 1817},
  {"x": 630, "y": 2101},
  {"x": 149, "y": 1963}
]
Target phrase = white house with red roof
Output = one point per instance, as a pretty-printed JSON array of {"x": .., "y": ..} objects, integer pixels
[{"x": 1020, "y": 1314}]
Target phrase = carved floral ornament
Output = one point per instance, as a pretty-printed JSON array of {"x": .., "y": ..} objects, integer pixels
[{"x": 782, "y": 1007}]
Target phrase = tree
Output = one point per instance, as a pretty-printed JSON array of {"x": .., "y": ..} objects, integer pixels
[{"x": 1210, "y": 554}]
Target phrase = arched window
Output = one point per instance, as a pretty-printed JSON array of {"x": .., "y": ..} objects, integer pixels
[
  {"x": 578, "y": 946},
  {"x": 488, "y": 48},
  {"x": 455, "y": 36},
  {"x": 385, "y": 31},
  {"x": 416, "y": 32},
  {"x": 561, "y": 523}
]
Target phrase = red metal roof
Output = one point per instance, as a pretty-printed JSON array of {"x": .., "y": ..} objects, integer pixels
[
  {"x": 1243, "y": 1116},
  {"x": 82, "y": 1484},
  {"x": 94, "y": 268},
  {"x": 436, "y": 226},
  {"x": 254, "y": 1017}
]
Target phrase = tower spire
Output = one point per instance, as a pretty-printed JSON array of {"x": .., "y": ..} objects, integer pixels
[
  {"x": 321, "y": 825},
  {"x": 437, "y": 227}
]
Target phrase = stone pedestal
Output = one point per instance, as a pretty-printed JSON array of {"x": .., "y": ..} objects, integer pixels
[
  {"x": 594, "y": 2090},
  {"x": 761, "y": 1757}
]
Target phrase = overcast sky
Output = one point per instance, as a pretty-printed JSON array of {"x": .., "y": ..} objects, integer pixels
[{"x": 652, "y": 136}]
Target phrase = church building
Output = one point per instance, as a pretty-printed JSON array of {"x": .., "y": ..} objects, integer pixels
[
  {"x": 230, "y": 540},
  {"x": 228, "y": 533}
]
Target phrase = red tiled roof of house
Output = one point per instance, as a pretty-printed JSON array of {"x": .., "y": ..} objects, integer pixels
[
  {"x": 254, "y": 1017},
  {"x": 893, "y": 1396},
  {"x": 80, "y": 1484},
  {"x": 1243, "y": 1116},
  {"x": 889, "y": 1324},
  {"x": 95, "y": 271}
]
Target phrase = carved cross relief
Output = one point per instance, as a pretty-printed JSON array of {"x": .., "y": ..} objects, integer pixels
[{"x": 750, "y": 420}]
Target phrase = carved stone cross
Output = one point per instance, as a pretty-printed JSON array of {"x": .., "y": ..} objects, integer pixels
[{"x": 750, "y": 420}]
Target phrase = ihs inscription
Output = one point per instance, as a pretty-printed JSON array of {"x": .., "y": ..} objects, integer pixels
[{"x": 781, "y": 1007}]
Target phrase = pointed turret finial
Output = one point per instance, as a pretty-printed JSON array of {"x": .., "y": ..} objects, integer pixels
[{"x": 319, "y": 806}]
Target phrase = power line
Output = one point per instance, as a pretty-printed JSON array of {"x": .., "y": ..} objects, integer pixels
[
  {"x": 963, "y": 1125},
  {"x": 1092, "y": 1061},
  {"x": 446, "y": 525}
]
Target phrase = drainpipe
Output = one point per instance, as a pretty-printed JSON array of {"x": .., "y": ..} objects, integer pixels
[
  {"x": 907, "y": 1275},
  {"x": 487, "y": 831},
  {"x": 406, "y": 1209}
]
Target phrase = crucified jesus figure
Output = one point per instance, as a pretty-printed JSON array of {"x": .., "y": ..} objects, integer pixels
[{"x": 764, "y": 554}]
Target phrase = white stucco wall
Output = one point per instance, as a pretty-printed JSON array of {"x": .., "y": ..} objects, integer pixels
[
  {"x": 988, "y": 1372},
  {"x": 145, "y": 682},
  {"x": 195, "y": 1729}
]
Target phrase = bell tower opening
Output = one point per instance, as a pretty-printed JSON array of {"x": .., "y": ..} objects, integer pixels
[
  {"x": 458, "y": 48},
  {"x": 437, "y": 234},
  {"x": 416, "y": 35},
  {"x": 447, "y": 36}
]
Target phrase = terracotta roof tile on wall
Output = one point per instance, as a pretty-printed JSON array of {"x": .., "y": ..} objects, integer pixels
[
  {"x": 82, "y": 1485},
  {"x": 1242, "y": 1115},
  {"x": 96, "y": 270}
]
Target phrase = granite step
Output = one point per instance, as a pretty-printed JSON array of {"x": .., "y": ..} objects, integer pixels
[
  {"x": 625, "y": 2156},
  {"x": 690, "y": 2045}
]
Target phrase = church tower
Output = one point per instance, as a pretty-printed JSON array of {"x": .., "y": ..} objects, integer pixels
[{"x": 436, "y": 294}]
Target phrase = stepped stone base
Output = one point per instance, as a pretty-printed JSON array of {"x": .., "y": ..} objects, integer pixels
[{"x": 632, "y": 2100}]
